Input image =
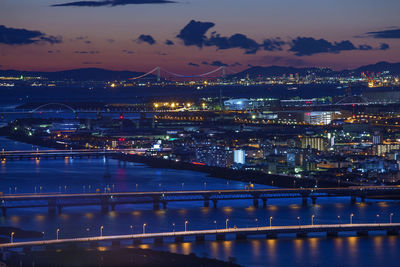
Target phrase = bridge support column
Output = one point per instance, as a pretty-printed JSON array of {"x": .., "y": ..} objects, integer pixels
[
  {"x": 255, "y": 202},
  {"x": 362, "y": 199},
  {"x": 220, "y": 237},
  {"x": 271, "y": 236},
  {"x": 264, "y": 200},
  {"x": 156, "y": 205},
  {"x": 393, "y": 232},
  {"x": 353, "y": 200},
  {"x": 304, "y": 201},
  {"x": 3, "y": 211},
  {"x": 301, "y": 235},
  {"x": 214, "y": 203},
  {"x": 206, "y": 202},
  {"x": 314, "y": 200},
  {"x": 115, "y": 244},
  {"x": 113, "y": 207},
  {"x": 241, "y": 236},
  {"x": 164, "y": 205},
  {"x": 59, "y": 209},
  {"x": 52, "y": 207},
  {"x": 104, "y": 204},
  {"x": 362, "y": 233},
  {"x": 158, "y": 240},
  {"x": 200, "y": 238},
  {"x": 137, "y": 241},
  {"x": 179, "y": 239},
  {"x": 332, "y": 234}
]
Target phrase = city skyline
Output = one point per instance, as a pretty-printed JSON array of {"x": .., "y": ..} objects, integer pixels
[{"x": 196, "y": 35}]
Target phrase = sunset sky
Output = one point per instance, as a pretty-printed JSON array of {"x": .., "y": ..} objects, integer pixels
[{"x": 190, "y": 36}]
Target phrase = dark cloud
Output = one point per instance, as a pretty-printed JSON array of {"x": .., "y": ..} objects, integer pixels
[
  {"x": 169, "y": 42},
  {"x": 194, "y": 33},
  {"x": 112, "y": 3},
  {"x": 386, "y": 34},
  {"x": 307, "y": 46},
  {"x": 193, "y": 64},
  {"x": 236, "y": 64},
  {"x": 273, "y": 44},
  {"x": 384, "y": 46},
  {"x": 237, "y": 40},
  {"x": 143, "y": 38},
  {"x": 129, "y": 52},
  {"x": 12, "y": 36},
  {"x": 216, "y": 63}
]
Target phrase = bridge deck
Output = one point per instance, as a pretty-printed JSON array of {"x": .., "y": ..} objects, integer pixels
[{"x": 274, "y": 230}]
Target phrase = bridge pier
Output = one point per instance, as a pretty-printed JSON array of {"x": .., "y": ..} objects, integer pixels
[
  {"x": 137, "y": 241},
  {"x": 104, "y": 208},
  {"x": 304, "y": 201},
  {"x": 393, "y": 232},
  {"x": 214, "y": 203},
  {"x": 59, "y": 209},
  {"x": 241, "y": 236},
  {"x": 301, "y": 234},
  {"x": 200, "y": 238},
  {"x": 362, "y": 233},
  {"x": 206, "y": 202},
  {"x": 3, "y": 211},
  {"x": 113, "y": 207},
  {"x": 353, "y": 200},
  {"x": 271, "y": 236},
  {"x": 332, "y": 234},
  {"x": 255, "y": 202},
  {"x": 313, "y": 200},
  {"x": 158, "y": 240},
  {"x": 52, "y": 208},
  {"x": 363, "y": 199},
  {"x": 179, "y": 239},
  {"x": 220, "y": 237},
  {"x": 115, "y": 244},
  {"x": 264, "y": 200},
  {"x": 164, "y": 205},
  {"x": 156, "y": 205}
]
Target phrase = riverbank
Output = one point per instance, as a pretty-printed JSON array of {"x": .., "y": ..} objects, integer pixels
[
  {"x": 114, "y": 257},
  {"x": 247, "y": 176}
]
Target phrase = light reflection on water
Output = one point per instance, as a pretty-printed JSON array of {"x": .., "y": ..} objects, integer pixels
[{"x": 78, "y": 175}]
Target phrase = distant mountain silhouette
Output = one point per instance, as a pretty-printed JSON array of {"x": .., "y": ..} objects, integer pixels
[
  {"x": 84, "y": 74},
  {"x": 97, "y": 74}
]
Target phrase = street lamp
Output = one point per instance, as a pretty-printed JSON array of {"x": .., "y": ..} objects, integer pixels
[
  {"x": 144, "y": 228},
  {"x": 377, "y": 218},
  {"x": 12, "y": 237},
  {"x": 101, "y": 230},
  {"x": 256, "y": 220},
  {"x": 391, "y": 215},
  {"x": 186, "y": 222},
  {"x": 132, "y": 228},
  {"x": 215, "y": 222},
  {"x": 270, "y": 221},
  {"x": 298, "y": 219},
  {"x": 351, "y": 218},
  {"x": 173, "y": 227},
  {"x": 312, "y": 219},
  {"x": 226, "y": 223},
  {"x": 58, "y": 230},
  {"x": 338, "y": 217}
]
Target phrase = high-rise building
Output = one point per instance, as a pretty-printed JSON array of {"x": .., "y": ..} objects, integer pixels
[{"x": 239, "y": 156}]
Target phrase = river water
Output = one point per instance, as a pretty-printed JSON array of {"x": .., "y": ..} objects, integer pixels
[{"x": 86, "y": 175}]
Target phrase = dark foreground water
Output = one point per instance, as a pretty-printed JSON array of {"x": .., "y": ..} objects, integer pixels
[{"x": 79, "y": 175}]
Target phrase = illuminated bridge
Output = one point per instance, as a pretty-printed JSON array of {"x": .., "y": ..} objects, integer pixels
[
  {"x": 215, "y": 234},
  {"x": 78, "y": 153},
  {"x": 108, "y": 200}
]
